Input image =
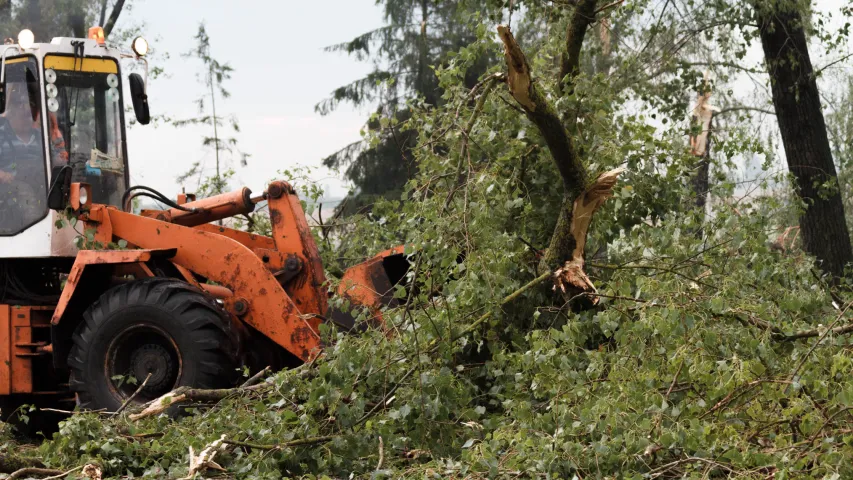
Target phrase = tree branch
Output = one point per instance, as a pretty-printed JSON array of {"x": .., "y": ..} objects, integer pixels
[
  {"x": 27, "y": 472},
  {"x": 745, "y": 109},
  {"x": 281, "y": 446},
  {"x": 566, "y": 249},
  {"x": 111, "y": 23},
  {"x": 539, "y": 111},
  {"x": 103, "y": 12},
  {"x": 185, "y": 394},
  {"x": 130, "y": 398},
  {"x": 584, "y": 15}
]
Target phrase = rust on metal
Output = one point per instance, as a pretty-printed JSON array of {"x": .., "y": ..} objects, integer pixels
[
  {"x": 251, "y": 240},
  {"x": 368, "y": 285},
  {"x": 233, "y": 265},
  {"x": 308, "y": 288},
  {"x": 218, "y": 207}
]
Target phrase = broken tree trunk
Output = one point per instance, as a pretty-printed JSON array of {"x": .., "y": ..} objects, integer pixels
[
  {"x": 581, "y": 199},
  {"x": 700, "y": 143}
]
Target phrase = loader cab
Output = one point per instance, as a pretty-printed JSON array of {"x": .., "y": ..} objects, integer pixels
[
  {"x": 62, "y": 114},
  {"x": 85, "y": 123}
]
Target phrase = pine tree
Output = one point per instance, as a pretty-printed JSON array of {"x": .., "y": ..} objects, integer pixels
[{"x": 416, "y": 36}]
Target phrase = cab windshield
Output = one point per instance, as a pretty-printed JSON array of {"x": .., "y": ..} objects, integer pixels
[{"x": 85, "y": 129}]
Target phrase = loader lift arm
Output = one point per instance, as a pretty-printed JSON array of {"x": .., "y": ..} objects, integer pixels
[{"x": 288, "y": 311}]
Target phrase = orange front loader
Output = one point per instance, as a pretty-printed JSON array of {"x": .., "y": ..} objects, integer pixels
[{"x": 187, "y": 302}]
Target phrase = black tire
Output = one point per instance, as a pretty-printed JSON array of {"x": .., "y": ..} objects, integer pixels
[{"x": 159, "y": 326}]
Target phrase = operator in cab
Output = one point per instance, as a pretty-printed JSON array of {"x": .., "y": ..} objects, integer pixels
[{"x": 23, "y": 194}]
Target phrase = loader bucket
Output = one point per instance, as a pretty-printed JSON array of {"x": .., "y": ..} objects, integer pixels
[{"x": 370, "y": 284}]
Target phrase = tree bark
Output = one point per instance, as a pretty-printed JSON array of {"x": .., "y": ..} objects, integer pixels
[
  {"x": 701, "y": 182},
  {"x": 103, "y": 16},
  {"x": 584, "y": 15},
  {"x": 804, "y": 136},
  {"x": 30, "y": 15},
  {"x": 9, "y": 463}
]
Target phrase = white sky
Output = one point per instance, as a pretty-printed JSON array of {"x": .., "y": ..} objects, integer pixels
[{"x": 281, "y": 72}]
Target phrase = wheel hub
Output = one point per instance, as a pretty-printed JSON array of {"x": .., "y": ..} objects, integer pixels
[{"x": 155, "y": 360}]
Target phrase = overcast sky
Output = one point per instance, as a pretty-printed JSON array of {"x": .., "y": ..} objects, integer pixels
[{"x": 281, "y": 72}]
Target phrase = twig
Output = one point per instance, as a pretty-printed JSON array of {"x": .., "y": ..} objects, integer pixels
[
  {"x": 663, "y": 468},
  {"x": 280, "y": 446},
  {"x": 674, "y": 380},
  {"x": 34, "y": 471},
  {"x": 255, "y": 378},
  {"x": 61, "y": 475},
  {"x": 509, "y": 298},
  {"x": 101, "y": 411},
  {"x": 130, "y": 398},
  {"x": 813, "y": 333},
  {"x": 381, "y": 454},
  {"x": 737, "y": 393},
  {"x": 465, "y": 132},
  {"x": 609, "y": 5},
  {"x": 828, "y": 420},
  {"x": 387, "y": 396},
  {"x": 819, "y": 340}
]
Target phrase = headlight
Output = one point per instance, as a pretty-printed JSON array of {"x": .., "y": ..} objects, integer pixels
[
  {"x": 140, "y": 46},
  {"x": 26, "y": 39},
  {"x": 80, "y": 195}
]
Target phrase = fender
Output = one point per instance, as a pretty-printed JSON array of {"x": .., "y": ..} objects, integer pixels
[
  {"x": 87, "y": 280},
  {"x": 136, "y": 258}
]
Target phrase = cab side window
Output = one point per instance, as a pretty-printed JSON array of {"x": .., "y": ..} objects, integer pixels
[{"x": 23, "y": 191}]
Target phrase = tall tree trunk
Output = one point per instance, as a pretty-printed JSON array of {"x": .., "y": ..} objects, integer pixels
[
  {"x": 77, "y": 21},
  {"x": 701, "y": 182},
  {"x": 804, "y": 136},
  {"x": 32, "y": 19},
  {"x": 103, "y": 16}
]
